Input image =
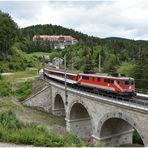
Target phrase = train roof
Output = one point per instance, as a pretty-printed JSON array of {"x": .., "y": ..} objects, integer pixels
[
  {"x": 61, "y": 71},
  {"x": 103, "y": 75},
  {"x": 106, "y": 76}
]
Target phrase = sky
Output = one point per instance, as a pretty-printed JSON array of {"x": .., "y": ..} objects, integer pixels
[{"x": 117, "y": 18}]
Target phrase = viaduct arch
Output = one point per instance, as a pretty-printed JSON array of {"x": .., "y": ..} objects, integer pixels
[
  {"x": 113, "y": 124},
  {"x": 79, "y": 119},
  {"x": 58, "y": 107}
]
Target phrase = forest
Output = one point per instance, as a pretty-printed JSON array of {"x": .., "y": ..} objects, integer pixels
[{"x": 117, "y": 54}]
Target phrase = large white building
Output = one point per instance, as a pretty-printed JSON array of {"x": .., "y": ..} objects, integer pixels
[{"x": 57, "y": 41}]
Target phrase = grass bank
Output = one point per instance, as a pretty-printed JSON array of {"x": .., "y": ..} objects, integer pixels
[
  {"x": 19, "y": 90},
  {"x": 30, "y": 72},
  {"x": 6, "y": 103},
  {"x": 19, "y": 84},
  {"x": 39, "y": 54}
]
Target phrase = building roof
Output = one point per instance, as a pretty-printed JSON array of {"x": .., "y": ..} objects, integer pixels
[{"x": 54, "y": 37}]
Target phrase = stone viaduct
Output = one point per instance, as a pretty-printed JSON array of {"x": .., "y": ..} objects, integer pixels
[{"x": 108, "y": 122}]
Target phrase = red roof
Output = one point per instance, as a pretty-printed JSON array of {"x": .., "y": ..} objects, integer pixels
[{"x": 53, "y": 37}]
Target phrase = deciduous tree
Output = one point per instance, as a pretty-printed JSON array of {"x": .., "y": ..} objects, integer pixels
[{"x": 8, "y": 31}]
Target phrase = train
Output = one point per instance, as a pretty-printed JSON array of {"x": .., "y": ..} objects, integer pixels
[{"x": 101, "y": 82}]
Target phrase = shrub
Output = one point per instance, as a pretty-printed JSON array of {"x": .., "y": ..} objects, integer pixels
[
  {"x": 9, "y": 120},
  {"x": 17, "y": 60},
  {"x": 12, "y": 130},
  {"x": 0, "y": 73},
  {"x": 136, "y": 138},
  {"x": 5, "y": 88},
  {"x": 24, "y": 89},
  {"x": 6, "y": 103},
  {"x": 73, "y": 140}
]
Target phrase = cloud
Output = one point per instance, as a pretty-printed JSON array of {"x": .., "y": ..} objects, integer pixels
[{"x": 99, "y": 18}]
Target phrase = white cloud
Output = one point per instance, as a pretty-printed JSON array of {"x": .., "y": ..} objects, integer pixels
[{"x": 99, "y": 18}]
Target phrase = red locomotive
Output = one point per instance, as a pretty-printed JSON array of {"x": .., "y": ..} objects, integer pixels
[{"x": 122, "y": 85}]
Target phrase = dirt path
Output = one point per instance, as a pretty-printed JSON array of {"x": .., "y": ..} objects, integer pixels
[
  {"x": 7, "y": 74},
  {"x": 13, "y": 145},
  {"x": 19, "y": 80}
]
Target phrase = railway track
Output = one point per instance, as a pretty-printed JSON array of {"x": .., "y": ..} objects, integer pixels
[
  {"x": 142, "y": 91},
  {"x": 141, "y": 98}
]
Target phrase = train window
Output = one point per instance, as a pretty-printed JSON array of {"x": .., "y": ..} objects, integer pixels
[
  {"x": 112, "y": 81},
  {"x": 126, "y": 82},
  {"x": 68, "y": 77},
  {"x": 93, "y": 78},
  {"x": 132, "y": 82},
  {"x": 98, "y": 79},
  {"x": 105, "y": 80},
  {"x": 108, "y": 80},
  {"x": 85, "y": 77},
  {"x": 118, "y": 82}
]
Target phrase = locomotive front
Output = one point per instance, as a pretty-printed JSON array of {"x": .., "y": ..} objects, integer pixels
[{"x": 128, "y": 86}]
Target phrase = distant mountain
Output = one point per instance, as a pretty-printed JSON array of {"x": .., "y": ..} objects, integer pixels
[{"x": 116, "y": 38}]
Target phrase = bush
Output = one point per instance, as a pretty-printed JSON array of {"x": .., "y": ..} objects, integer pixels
[
  {"x": 6, "y": 103},
  {"x": 126, "y": 68},
  {"x": 17, "y": 60},
  {"x": 30, "y": 134},
  {"x": 12, "y": 130},
  {"x": 136, "y": 138},
  {"x": 1, "y": 73},
  {"x": 24, "y": 89},
  {"x": 5, "y": 88},
  {"x": 72, "y": 140},
  {"x": 0, "y": 76},
  {"x": 9, "y": 120}
]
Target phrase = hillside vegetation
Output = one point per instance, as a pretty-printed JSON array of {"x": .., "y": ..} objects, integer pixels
[
  {"x": 16, "y": 60},
  {"x": 117, "y": 54}
]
